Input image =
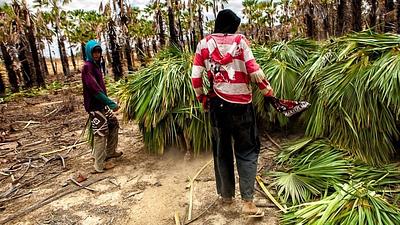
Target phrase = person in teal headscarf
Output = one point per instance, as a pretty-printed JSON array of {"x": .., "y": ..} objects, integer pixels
[{"x": 100, "y": 108}]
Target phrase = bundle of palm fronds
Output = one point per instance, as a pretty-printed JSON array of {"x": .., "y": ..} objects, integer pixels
[
  {"x": 282, "y": 63},
  {"x": 352, "y": 203},
  {"x": 88, "y": 133},
  {"x": 161, "y": 99},
  {"x": 353, "y": 85},
  {"x": 317, "y": 170}
]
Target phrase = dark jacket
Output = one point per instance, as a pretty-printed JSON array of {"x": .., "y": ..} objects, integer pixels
[{"x": 92, "y": 79}]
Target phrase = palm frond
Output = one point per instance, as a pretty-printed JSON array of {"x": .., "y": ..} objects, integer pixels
[
  {"x": 161, "y": 99},
  {"x": 310, "y": 168},
  {"x": 282, "y": 63},
  {"x": 352, "y": 203},
  {"x": 352, "y": 85}
]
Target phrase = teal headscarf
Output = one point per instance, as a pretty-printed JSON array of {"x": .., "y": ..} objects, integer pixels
[{"x": 90, "y": 45}]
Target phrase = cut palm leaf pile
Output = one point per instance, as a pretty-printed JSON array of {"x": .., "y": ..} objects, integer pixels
[
  {"x": 353, "y": 85},
  {"x": 310, "y": 168},
  {"x": 282, "y": 63},
  {"x": 345, "y": 191},
  {"x": 350, "y": 204},
  {"x": 161, "y": 98}
]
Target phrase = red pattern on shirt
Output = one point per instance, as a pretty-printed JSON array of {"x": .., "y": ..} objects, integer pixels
[{"x": 232, "y": 89}]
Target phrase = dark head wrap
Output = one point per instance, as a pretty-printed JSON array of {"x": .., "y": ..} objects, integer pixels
[{"x": 227, "y": 22}]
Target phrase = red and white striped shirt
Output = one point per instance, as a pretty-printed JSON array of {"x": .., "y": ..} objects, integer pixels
[{"x": 230, "y": 66}]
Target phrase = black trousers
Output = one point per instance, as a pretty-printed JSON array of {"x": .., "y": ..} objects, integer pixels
[{"x": 234, "y": 122}]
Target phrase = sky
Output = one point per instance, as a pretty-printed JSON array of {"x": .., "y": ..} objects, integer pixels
[{"x": 234, "y": 5}]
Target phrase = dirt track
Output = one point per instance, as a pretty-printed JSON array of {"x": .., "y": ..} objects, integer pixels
[{"x": 142, "y": 189}]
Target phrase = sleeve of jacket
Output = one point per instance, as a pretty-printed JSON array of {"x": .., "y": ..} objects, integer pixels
[
  {"x": 197, "y": 71},
  {"x": 254, "y": 71}
]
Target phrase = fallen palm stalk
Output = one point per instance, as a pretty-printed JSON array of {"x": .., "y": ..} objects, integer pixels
[
  {"x": 15, "y": 197},
  {"x": 62, "y": 149},
  {"x": 57, "y": 195},
  {"x": 202, "y": 213},
  {"x": 80, "y": 185},
  {"x": 191, "y": 183},
  {"x": 260, "y": 182},
  {"x": 177, "y": 219}
]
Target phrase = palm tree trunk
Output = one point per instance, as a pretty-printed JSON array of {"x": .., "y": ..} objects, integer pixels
[
  {"x": 115, "y": 52},
  {"x": 188, "y": 41},
  {"x": 12, "y": 76},
  {"x": 200, "y": 23},
  {"x": 398, "y": 16},
  {"x": 148, "y": 49},
  {"x": 2, "y": 86},
  {"x": 108, "y": 56},
  {"x": 34, "y": 51},
  {"x": 172, "y": 29},
  {"x": 372, "y": 15},
  {"x": 357, "y": 21},
  {"x": 44, "y": 64},
  {"x": 389, "y": 8},
  {"x": 72, "y": 58},
  {"x": 309, "y": 20},
  {"x": 161, "y": 28},
  {"x": 180, "y": 31},
  {"x": 326, "y": 22},
  {"x": 23, "y": 51},
  {"x": 214, "y": 9},
  {"x": 128, "y": 55},
  {"x": 51, "y": 61},
  {"x": 340, "y": 17},
  {"x": 140, "y": 52},
  {"x": 192, "y": 30},
  {"x": 83, "y": 51},
  {"x": 154, "y": 46},
  {"x": 64, "y": 58}
]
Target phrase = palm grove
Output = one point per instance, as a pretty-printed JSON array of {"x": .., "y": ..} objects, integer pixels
[
  {"x": 341, "y": 55},
  {"x": 26, "y": 30}
]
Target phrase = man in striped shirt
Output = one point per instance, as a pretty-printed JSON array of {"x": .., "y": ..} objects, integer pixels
[{"x": 230, "y": 66}]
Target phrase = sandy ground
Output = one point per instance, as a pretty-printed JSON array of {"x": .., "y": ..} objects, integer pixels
[{"x": 142, "y": 189}]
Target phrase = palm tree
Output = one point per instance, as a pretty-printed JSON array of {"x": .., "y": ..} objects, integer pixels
[
  {"x": 192, "y": 30},
  {"x": 309, "y": 20},
  {"x": 43, "y": 34},
  {"x": 248, "y": 9},
  {"x": 142, "y": 31},
  {"x": 2, "y": 86},
  {"x": 112, "y": 38},
  {"x": 372, "y": 15},
  {"x": 398, "y": 16},
  {"x": 57, "y": 13},
  {"x": 12, "y": 76},
  {"x": 46, "y": 34},
  {"x": 8, "y": 33},
  {"x": 215, "y": 5},
  {"x": 22, "y": 46},
  {"x": 30, "y": 32},
  {"x": 157, "y": 7},
  {"x": 389, "y": 11},
  {"x": 340, "y": 17},
  {"x": 172, "y": 26},
  {"x": 357, "y": 15}
]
